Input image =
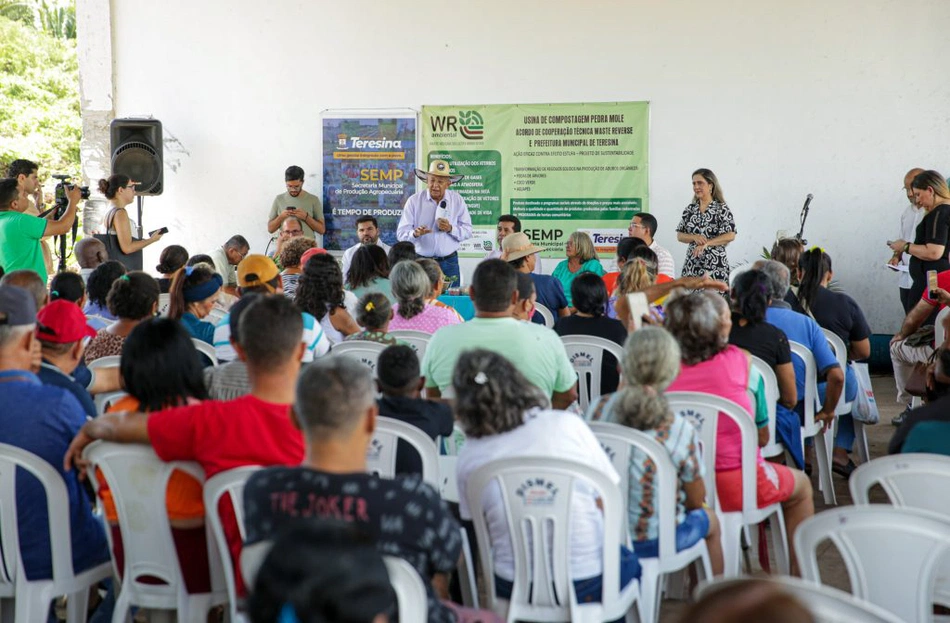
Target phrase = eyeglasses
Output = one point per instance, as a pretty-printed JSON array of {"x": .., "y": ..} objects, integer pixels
[
  {"x": 294, "y": 186},
  {"x": 637, "y": 226}
]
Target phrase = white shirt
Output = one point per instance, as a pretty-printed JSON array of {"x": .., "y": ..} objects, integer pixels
[
  {"x": 421, "y": 210},
  {"x": 496, "y": 255},
  {"x": 910, "y": 219},
  {"x": 545, "y": 433},
  {"x": 224, "y": 267},
  {"x": 349, "y": 253},
  {"x": 318, "y": 343},
  {"x": 664, "y": 261}
]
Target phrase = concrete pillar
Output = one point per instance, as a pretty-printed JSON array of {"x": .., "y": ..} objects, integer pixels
[{"x": 96, "y": 86}]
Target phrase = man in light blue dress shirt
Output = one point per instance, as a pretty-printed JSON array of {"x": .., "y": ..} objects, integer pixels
[{"x": 436, "y": 219}]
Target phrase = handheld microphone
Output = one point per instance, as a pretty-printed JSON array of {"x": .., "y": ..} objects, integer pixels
[
  {"x": 442, "y": 212},
  {"x": 442, "y": 205}
]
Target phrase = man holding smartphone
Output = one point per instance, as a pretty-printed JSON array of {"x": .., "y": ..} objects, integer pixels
[{"x": 298, "y": 203}]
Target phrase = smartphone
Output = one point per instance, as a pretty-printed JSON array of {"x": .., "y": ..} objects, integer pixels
[
  {"x": 890, "y": 242},
  {"x": 639, "y": 307},
  {"x": 932, "y": 282},
  {"x": 290, "y": 208},
  {"x": 163, "y": 230}
]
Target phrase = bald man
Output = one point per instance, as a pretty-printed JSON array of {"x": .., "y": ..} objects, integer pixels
[
  {"x": 910, "y": 218},
  {"x": 90, "y": 252}
]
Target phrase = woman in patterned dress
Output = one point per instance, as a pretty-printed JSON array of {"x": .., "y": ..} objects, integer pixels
[{"x": 707, "y": 227}]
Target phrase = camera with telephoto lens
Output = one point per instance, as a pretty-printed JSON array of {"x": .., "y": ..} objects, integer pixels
[{"x": 61, "y": 199}]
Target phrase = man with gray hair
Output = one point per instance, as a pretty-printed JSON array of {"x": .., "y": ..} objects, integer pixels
[
  {"x": 336, "y": 409},
  {"x": 42, "y": 420},
  {"x": 227, "y": 257},
  {"x": 804, "y": 330}
]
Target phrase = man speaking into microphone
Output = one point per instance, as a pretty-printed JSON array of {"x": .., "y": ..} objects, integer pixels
[{"x": 436, "y": 220}]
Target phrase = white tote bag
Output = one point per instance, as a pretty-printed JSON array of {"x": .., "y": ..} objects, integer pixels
[{"x": 865, "y": 407}]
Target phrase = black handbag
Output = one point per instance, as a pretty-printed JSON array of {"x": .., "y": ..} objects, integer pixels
[{"x": 131, "y": 261}]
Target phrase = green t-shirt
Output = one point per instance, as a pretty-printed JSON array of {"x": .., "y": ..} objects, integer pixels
[
  {"x": 20, "y": 242},
  {"x": 563, "y": 274},
  {"x": 535, "y": 350},
  {"x": 304, "y": 201}
]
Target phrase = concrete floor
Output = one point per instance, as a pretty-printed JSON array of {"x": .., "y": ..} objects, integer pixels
[{"x": 832, "y": 567}]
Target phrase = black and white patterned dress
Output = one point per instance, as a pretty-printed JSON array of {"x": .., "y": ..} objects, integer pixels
[{"x": 715, "y": 221}]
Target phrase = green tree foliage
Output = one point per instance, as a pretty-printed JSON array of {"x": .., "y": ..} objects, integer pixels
[{"x": 39, "y": 98}]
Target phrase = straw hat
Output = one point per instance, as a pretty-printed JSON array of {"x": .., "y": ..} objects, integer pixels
[
  {"x": 516, "y": 246},
  {"x": 439, "y": 168}
]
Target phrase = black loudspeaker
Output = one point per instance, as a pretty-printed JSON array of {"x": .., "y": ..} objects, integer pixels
[{"x": 137, "y": 152}]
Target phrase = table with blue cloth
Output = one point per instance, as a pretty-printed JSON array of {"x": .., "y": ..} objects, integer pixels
[{"x": 462, "y": 304}]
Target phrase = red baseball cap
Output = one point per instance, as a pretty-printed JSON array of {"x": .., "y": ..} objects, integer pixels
[
  {"x": 62, "y": 322},
  {"x": 310, "y": 253}
]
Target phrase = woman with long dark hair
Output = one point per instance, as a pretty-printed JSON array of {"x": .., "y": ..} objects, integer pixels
[
  {"x": 320, "y": 293},
  {"x": 840, "y": 314},
  {"x": 369, "y": 272},
  {"x": 193, "y": 295},
  {"x": 750, "y": 331}
]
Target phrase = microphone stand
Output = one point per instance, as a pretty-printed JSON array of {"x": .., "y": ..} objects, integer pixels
[{"x": 803, "y": 217}]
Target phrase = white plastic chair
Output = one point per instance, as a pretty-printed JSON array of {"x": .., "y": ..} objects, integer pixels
[
  {"x": 844, "y": 407},
  {"x": 104, "y": 401},
  {"x": 546, "y": 313},
  {"x": 205, "y": 349},
  {"x": 824, "y": 441},
  {"x": 773, "y": 448},
  {"x": 409, "y": 588},
  {"x": 33, "y": 598},
  {"x": 826, "y": 604},
  {"x": 586, "y": 354},
  {"x": 620, "y": 442},
  {"x": 381, "y": 454},
  {"x": 230, "y": 483},
  {"x": 252, "y": 557},
  {"x": 364, "y": 351},
  {"x": 543, "y": 589},
  {"x": 892, "y": 555},
  {"x": 105, "y": 362},
  {"x": 704, "y": 410},
  {"x": 416, "y": 340},
  {"x": 939, "y": 334},
  {"x": 164, "y": 300},
  {"x": 137, "y": 479}
]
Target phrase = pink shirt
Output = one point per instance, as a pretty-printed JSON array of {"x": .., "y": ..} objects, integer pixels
[
  {"x": 431, "y": 319},
  {"x": 725, "y": 375}
]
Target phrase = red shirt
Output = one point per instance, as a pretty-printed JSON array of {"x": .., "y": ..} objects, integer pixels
[
  {"x": 610, "y": 280},
  {"x": 222, "y": 435},
  {"x": 943, "y": 282}
]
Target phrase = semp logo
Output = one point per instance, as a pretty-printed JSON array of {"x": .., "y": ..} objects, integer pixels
[
  {"x": 468, "y": 123},
  {"x": 537, "y": 492}
]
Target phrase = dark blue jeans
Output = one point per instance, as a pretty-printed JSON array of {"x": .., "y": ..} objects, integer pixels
[
  {"x": 450, "y": 268},
  {"x": 588, "y": 590}
]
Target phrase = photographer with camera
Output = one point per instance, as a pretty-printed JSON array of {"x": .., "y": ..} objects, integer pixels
[
  {"x": 20, "y": 233},
  {"x": 120, "y": 191}
]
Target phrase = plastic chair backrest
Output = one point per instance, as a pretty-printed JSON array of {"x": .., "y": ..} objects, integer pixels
[
  {"x": 773, "y": 448},
  {"x": 104, "y": 401},
  {"x": 586, "y": 354},
  {"x": 546, "y": 313},
  {"x": 810, "y": 428},
  {"x": 416, "y": 340},
  {"x": 364, "y": 351},
  {"x": 892, "y": 555},
  {"x": 57, "y": 502},
  {"x": 704, "y": 410},
  {"x": 252, "y": 557},
  {"x": 105, "y": 362},
  {"x": 409, "y": 588},
  {"x": 537, "y": 494},
  {"x": 205, "y": 349},
  {"x": 841, "y": 354},
  {"x": 381, "y": 454},
  {"x": 939, "y": 333},
  {"x": 909, "y": 480},
  {"x": 164, "y": 300},
  {"x": 621, "y": 443},
  {"x": 137, "y": 479},
  {"x": 231, "y": 483},
  {"x": 826, "y": 604}
]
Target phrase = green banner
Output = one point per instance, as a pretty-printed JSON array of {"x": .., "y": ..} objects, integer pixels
[{"x": 557, "y": 167}]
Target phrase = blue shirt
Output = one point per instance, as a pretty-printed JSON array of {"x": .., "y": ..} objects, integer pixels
[
  {"x": 198, "y": 328},
  {"x": 550, "y": 294},
  {"x": 43, "y": 420},
  {"x": 51, "y": 375},
  {"x": 802, "y": 329}
]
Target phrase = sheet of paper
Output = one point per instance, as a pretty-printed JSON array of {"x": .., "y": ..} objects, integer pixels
[{"x": 900, "y": 268}]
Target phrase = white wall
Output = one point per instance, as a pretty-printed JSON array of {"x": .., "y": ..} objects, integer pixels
[{"x": 778, "y": 98}]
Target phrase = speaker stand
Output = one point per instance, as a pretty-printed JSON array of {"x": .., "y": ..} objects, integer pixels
[{"x": 139, "y": 200}]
